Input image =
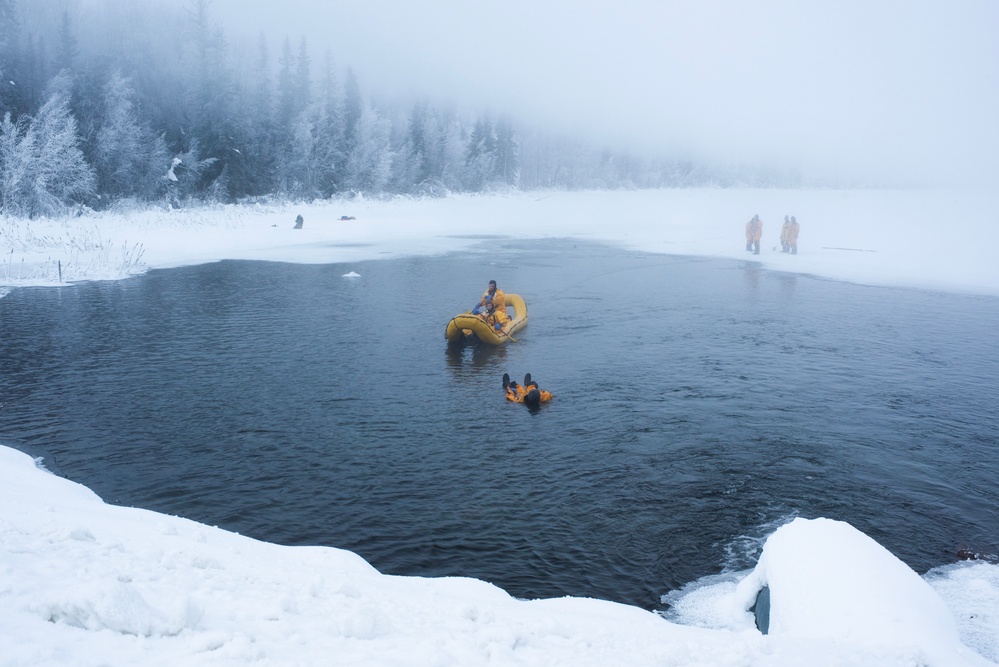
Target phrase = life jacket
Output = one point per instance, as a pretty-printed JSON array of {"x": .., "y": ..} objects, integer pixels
[
  {"x": 495, "y": 319},
  {"x": 517, "y": 393}
]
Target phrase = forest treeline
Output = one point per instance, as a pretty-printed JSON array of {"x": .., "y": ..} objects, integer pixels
[{"x": 146, "y": 102}]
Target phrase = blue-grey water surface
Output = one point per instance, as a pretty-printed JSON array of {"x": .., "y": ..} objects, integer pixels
[{"x": 698, "y": 404}]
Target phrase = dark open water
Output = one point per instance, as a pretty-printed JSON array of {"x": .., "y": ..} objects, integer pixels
[{"x": 699, "y": 403}]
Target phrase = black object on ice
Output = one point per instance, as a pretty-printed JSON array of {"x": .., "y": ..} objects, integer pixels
[{"x": 761, "y": 610}]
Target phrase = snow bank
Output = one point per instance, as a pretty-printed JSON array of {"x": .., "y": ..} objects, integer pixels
[
  {"x": 828, "y": 580},
  {"x": 84, "y": 583}
]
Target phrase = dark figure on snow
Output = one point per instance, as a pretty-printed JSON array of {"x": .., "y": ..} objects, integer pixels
[
  {"x": 754, "y": 232},
  {"x": 299, "y": 221}
]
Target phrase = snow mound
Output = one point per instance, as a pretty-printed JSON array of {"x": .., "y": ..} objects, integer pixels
[{"x": 829, "y": 581}]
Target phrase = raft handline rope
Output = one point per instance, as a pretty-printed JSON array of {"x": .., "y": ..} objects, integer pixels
[{"x": 500, "y": 330}]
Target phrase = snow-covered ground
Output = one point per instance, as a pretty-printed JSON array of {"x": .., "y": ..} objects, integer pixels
[
  {"x": 939, "y": 239},
  {"x": 86, "y": 583}
]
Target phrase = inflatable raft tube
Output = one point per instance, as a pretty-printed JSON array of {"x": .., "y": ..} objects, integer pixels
[{"x": 467, "y": 325}]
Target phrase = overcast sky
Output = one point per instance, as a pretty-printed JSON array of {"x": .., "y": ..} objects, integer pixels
[{"x": 905, "y": 87}]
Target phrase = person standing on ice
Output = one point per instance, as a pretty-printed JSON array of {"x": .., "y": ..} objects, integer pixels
[
  {"x": 792, "y": 236},
  {"x": 784, "y": 231},
  {"x": 754, "y": 232}
]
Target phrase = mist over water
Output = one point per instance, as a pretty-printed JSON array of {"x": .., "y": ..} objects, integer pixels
[
  {"x": 698, "y": 404},
  {"x": 853, "y": 92}
]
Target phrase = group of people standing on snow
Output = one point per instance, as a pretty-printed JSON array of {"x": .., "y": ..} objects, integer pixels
[{"x": 788, "y": 235}]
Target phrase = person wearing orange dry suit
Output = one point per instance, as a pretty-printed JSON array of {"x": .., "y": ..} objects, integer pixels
[
  {"x": 493, "y": 316},
  {"x": 792, "y": 236},
  {"x": 495, "y": 295},
  {"x": 754, "y": 232},
  {"x": 784, "y": 247},
  {"x": 528, "y": 393}
]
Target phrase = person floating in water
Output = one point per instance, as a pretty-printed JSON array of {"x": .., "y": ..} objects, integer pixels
[
  {"x": 528, "y": 393},
  {"x": 754, "y": 232}
]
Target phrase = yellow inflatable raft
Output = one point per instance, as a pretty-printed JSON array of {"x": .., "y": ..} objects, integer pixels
[{"x": 467, "y": 325}]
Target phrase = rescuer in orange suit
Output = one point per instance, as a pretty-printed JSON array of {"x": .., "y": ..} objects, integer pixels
[
  {"x": 495, "y": 295},
  {"x": 754, "y": 232},
  {"x": 784, "y": 247},
  {"x": 493, "y": 316},
  {"x": 528, "y": 393},
  {"x": 792, "y": 236}
]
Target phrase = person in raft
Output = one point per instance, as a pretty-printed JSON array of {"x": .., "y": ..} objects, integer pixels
[
  {"x": 754, "y": 232},
  {"x": 528, "y": 393},
  {"x": 495, "y": 295},
  {"x": 493, "y": 316}
]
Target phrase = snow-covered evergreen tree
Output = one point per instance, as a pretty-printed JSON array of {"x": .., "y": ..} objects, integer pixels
[
  {"x": 213, "y": 109},
  {"x": 58, "y": 175},
  {"x": 303, "y": 78},
  {"x": 332, "y": 99},
  {"x": 8, "y": 43},
  {"x": 352, "y": 109},
  {"x": 182, "y": 181},
  {"x": 313, "y": 162},
  {"x": 17, "y": 154},
  {"x": 369, "y": 164},
  {"x": 67, "y": 48},
  {"x": 481, "y": 155},
  {"x": 506, "y": 166},
  {"x": 287, "y": 105},
  {"x": 411, "y": 166},
  {"x": 238, "y": 131},
  {"x": 261, "y": 147},
  {"x": 129, "y": 159}
]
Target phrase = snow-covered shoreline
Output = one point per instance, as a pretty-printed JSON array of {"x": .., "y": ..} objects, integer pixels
[
  {"x": 933, "y": 239},
  {"x": 84, "y": 583}
]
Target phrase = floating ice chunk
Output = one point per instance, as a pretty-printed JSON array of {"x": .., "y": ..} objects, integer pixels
[{"x": 351, "y": 275}]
